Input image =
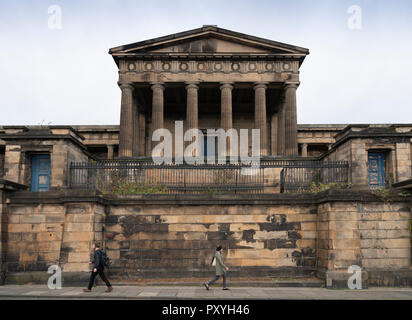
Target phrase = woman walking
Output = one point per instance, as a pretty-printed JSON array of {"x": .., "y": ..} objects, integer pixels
[{"x": 220, "y": 269}]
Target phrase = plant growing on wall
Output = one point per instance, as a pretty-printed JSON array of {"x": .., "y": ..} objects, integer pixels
[{"x": 319, "y": 187}]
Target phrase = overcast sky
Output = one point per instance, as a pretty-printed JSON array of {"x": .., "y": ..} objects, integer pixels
[{"x": 66, "y": 76}]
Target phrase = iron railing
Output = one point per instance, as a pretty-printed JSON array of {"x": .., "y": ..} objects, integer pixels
[
  {"x": 302, "y": 178},
  {"x": 115, "y": 176}
]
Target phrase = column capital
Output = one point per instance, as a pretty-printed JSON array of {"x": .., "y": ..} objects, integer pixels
[
  {"x": 192, "y": 85},
  {"x": 260, "y": 85},
  {"x": 224, "y": 85},
  {"x": 157, "y": 85},
  {"x": 125, "y": 85},
  {"x": 293, "y": 85}
]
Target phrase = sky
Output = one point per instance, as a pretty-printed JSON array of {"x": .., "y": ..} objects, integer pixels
[{"x": 358, "y": 71}]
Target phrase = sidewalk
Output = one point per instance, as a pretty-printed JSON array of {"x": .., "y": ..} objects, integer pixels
[{"x": 197, "y": 292}]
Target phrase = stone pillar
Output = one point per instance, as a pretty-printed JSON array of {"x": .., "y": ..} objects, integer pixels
[
  {"x": 192, "y": 106},
  {"x": 136, "y": 130},
  {"x": 226, "y": 109},
  {"x": 274, "y": 134},
  {"x": 304, "y": 149},
  {"x": 281, "y": 130},
  {"x": 226, "y": 106},
  {"x": 110, "y": 151},
  {"x": 126, "y": 121},
  {"x": 260, "y": 115},
  {"x": 291, "y": 143},
  {"x": 142, "y": 133},
  {"x": 157, "y": 110},
  {"x": 191, "y": 109}
]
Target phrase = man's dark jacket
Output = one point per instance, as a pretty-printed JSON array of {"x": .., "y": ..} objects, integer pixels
[{"x": 98, "y": 259}]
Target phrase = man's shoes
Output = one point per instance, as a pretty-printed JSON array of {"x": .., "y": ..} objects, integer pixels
[
  {"x": 206, "y": 286},
  {"x": 109, "y": 289},
  {"x": 225, "y": 289},
  {"x": 87, "y": 290}
]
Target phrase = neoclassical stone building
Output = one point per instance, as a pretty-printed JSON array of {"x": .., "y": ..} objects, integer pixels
[
  {"x": 63, "y": 187},
  {"x": 210, "y": 78}
]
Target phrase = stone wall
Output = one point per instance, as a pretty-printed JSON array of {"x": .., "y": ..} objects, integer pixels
[
  {"x": 62, "y": 155},
  {"x": 40, "y": 235},
  {"x": 178, "y": 240},
  {"x": 372, "y": 235},
  {"x": 3, "y": 223},
  {"x": 175, "y": 235},
  {"x": 1, "y": 163}
]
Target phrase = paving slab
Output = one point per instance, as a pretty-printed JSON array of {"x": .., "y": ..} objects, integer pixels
[{"x": 159, "y": 292}]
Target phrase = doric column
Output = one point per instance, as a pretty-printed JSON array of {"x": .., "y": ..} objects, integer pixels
[
  {"x": 192, "y": 106},
  {"x": 281, "y": 130},
  {"x": 226, "y": 105},
  {"x": 110, "y": 151},
  {"x": 192, "y": 109},
  {"x": 142, "y": 133},
  {"x": 291, "y": 143},
  {"x": 126, "y": 121},
  {"x": 274, "y": 134},
  {"x": 226, "y": 110},
  {"x": 157, "y": 109},
  {"x": 136, "y": 131},
  {"x": 304, "y": 149},
  {"x": 260, "y": 115}
]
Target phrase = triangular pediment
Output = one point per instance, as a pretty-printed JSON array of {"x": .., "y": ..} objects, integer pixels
[
  {"x": 209, "y": 44},
  {"x": 209, "y": 40}
]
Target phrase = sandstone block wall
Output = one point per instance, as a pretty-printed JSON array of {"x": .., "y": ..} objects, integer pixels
[
  {"x": 374, "y": 236},
  {"x": 145, "y": 238},
  {"x": 181, "y": 240},
  {"x": 40, "y": 235}
]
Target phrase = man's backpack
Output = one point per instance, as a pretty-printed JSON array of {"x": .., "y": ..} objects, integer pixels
[{"x": 105, "y": 259}]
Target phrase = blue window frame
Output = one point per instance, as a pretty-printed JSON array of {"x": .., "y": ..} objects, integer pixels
[
  {"x": 40, "y": 172},
  {"x": 376, "y": 169}
]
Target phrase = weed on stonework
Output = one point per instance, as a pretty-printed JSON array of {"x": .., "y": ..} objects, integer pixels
[
  {"x": 319, "y": 187},
  {"x": 129, "y": 188}
]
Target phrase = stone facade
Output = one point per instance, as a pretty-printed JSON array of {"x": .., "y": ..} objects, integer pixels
[
  {"x": 213, "y": 73},
  {"x": 355, "y": 142},
  {"x": 175, "y": 236},
  {"x": 209, "y": 78}
]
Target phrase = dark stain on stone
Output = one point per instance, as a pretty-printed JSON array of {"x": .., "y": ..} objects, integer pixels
[
  {"x": 135, "y": 224},
  {"x": 248, "y": 235},
  {"x": 219, "y": 235},
  {"x": 277, "y": 222},
  {"x": 224, "y": 227},
  {"x": 112, "y": 219},
  {"x": 279, "y": 243},
  {"x": 293, "y": 235},
  {"x": 207, "y": 225},
  {"x": 297, "y": 257}
]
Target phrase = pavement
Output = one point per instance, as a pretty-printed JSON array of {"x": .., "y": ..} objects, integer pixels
[{"x": 127, "y": 292}]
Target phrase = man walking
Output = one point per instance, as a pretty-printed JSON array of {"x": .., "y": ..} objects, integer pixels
[
  {"x": 98, "y": 269},
  {"x": 220, "y": 269}
]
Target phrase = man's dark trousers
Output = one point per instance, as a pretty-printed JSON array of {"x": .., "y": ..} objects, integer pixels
[{"x": 99, "y": 272}]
